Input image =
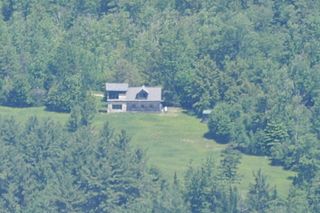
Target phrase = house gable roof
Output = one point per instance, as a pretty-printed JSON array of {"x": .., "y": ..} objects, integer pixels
[
  {"x": 154, "y": 93},
  {"x": 119, "y": 87}
]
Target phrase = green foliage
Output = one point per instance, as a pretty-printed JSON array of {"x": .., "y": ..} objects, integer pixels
[
  {"x": 49, "y": 169},
  {"x": 88, "y": 107},
  {"x": 275, "y": 135},
  {"x": 64, "y": 95},
  {"x": 255, "y": 63},
  {"x": 308, "y": 166},
  {"x": 260, "y": 196},
  {"x": 221, "y": 123},
  {"x": 8, "y": 133},
  {"x": 314, "y": 195},
  {"x": 206, "y": 192},
  {"x": 89, "y": 171},
  {"x": 74, "y": 121},
  {"x": 19, "y": 95},
  {"x": 185, "y": 138},
  {"x": 200, "y": 88},
  {"x": 297, "y": 201},
  {"x": 229, "y": 164}
]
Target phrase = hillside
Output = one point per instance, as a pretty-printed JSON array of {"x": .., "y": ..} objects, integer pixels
[{"x": 172, "y": 141}]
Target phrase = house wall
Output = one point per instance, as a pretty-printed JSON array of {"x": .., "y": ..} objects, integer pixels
[
  {"x": 145, "y": 106},
  {"x": 110, "y": 109}
]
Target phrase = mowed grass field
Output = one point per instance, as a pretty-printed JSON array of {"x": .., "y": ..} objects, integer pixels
[{"x": 172, "y": 141}]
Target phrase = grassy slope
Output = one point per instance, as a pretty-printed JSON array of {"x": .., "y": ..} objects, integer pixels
[{"x": 172, "y": 141}]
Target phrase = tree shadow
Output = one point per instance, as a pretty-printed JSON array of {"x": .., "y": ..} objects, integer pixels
[
  {"x": 189, "y": 112},
  {"x": 218, "y": 138},
  {"x": 292, "y": 178},
  {"x": 208, "y": 135},
  {"x": 46, "y": 109}
]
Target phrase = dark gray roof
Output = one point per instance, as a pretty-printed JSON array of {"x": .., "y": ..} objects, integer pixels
[
  {"x": 154, "y": 93},
  {"x": 117, "y": 87}
]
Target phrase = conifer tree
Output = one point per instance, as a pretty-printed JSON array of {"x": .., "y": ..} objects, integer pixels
[
  {"x": 74, "y": 121},
  {"x": 229, "y": 164},
  {"x": 260, "y": 194}
]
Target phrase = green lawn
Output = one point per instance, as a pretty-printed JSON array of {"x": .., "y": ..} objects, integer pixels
[{"x": 172, "y": 141}]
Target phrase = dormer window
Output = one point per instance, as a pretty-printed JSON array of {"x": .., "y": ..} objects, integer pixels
[{"x": 142, "y": 95}]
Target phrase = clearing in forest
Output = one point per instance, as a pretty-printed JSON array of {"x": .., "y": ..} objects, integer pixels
[{"x": 172, "y": 141}]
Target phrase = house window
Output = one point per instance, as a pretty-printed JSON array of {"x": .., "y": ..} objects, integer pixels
[
  {"x": 113, "y": 95},
  {"x": 142, "y": 106},
  {"x": 133, "y": 106},
  {"x": 117, "y": 106},
  {"x": 151, "y": 105}
]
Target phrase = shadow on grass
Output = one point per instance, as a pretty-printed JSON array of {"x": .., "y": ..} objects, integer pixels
[
  {"x": 55, "y": 111},
  {"x": 190, "y": 113},
  {"x": 23, "y": 106},
  {"x": 219, "y": 139},
  {"x": 292, "y": 178}
]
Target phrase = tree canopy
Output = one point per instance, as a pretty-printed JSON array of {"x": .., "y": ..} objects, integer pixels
[{"x": 254, "y": 63}]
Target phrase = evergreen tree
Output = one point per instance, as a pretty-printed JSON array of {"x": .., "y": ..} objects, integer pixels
[
  {"x": 88, "y": 109},
  {"x": 297, "y": 201},
  {"x": 74, "y": 121},
  {"x": 275, "y": 134},
  {"x": 205, "y": 191},
  {"x": 260, "y": 194},
  {"x": 229, "y": 164}
]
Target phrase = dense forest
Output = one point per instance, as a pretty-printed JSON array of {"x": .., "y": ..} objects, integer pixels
[{"x": 255, "y": 63}]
